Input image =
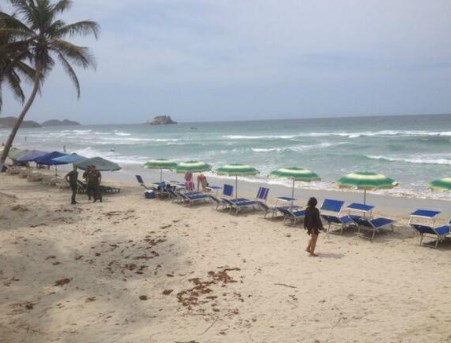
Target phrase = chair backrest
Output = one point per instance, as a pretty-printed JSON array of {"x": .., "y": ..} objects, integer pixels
[
  {"x": 227, "y": 190},
  {"x": 332, "y": 205},
  {"x": 262, "y": 193},
  {"x": 139, "y": 178},
  {"x": 426, "y": 217},
  {"x": 424, "y": 213}
]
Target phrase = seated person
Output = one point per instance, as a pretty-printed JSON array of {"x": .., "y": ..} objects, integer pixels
[
  {"x": 189, "y": 184},
  {"x": 202, "y": 183}
]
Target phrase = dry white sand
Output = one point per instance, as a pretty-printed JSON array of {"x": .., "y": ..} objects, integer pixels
[{"x": 137, "y": 270}]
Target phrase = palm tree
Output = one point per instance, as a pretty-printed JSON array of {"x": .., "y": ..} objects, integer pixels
[
  {"x": 11, "y": 64},
  {"x": 36, "y": 26}
]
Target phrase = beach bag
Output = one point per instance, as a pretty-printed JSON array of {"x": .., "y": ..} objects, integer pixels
[{"x": 149, "y": 195}]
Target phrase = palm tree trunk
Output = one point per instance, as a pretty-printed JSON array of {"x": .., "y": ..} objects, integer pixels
[{"x": 16, "y": 127}]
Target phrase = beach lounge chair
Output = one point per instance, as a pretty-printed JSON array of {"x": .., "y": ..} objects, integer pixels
[
  {"x": 374, "y": 225},
  {"x": 330, "y": 213},
  {"x": 153, "y": 186},
  {"x": 357, "y": 210},
  {"x": 189, "y": 198},
  {"x": 109, "y": 189},
  {"x": 225, "y": 201},
  {"x": 259, "y": 203},
  {"x": 292, "y": 214},
  {"x": 422, "y": 221}
]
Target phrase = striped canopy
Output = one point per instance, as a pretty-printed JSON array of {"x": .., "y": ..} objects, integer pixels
[
  {"x": 441, "y": 184},
  {"x": 161, "y": 164},
  {"x": 366, "y": 181},
  {"x": 191, "y": 166},
  {"x": 295, "y": 174},
  {"x": 237, "y": 170}
]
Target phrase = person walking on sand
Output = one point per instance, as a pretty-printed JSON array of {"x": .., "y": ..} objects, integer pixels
[
  {"x": 313, "y": 224},
  {"x": 72, "y": 178}
]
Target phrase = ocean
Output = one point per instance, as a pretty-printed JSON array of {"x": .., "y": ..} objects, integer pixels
[{"x": 413, "y": 150}]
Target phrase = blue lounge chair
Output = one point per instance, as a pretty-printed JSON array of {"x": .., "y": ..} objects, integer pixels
[
  {"x": 330, "y": 213},
  {"x": 193, "y": 198},
  {"x": 440, "y": 233},
  {"x": 293, "y": 215},
  {"x": 357, "y": 210},
  {"x": 247, "y": 204},
  {"x": 225, "y": 202},
  {"x": 274, "y": 210},
  {"x": 374, "y": 225},
  {"x": 142, "y": 184}
]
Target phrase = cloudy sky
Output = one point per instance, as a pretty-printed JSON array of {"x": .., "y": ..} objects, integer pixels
[{"x": 215, "y": 60}]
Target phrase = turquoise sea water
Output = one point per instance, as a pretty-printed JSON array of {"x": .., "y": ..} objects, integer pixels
[{"x": 411, "y": 149}]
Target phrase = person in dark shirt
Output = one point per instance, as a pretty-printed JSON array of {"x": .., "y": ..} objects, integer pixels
[
  {"x": 94, "y": 180},
  {"x": 313, "y": 224},
  {"x": 72, "y": 178}
]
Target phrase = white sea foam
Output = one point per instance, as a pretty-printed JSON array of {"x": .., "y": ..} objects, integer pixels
[{"x": 414, "y": 160}]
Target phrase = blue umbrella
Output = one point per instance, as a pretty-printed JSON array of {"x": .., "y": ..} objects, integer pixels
[
  {"x": 70, "y": 158},
  {"x": 48, "y": 159},
  {"x": 31, "y": 156}
]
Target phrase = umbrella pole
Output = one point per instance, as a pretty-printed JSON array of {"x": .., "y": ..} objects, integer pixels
[
  {"x": 236, "y": 186},
  {"x": 161, "y": 175},
  {"x": 56, "y": 170},
  {"x": 292, "y": 194},
  {"x": 364, "y": 196}
]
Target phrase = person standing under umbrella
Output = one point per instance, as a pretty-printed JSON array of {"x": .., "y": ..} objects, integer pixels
[
  {"x": 93, "y": 179},
  {"x": 313, "y": 224},
  {"x": 72, "y": 178}
]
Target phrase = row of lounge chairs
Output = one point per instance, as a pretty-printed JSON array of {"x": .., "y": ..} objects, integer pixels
[{"x": 336, "y": 217}]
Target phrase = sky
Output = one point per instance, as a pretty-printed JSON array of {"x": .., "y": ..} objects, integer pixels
[{"x": 220, "y": 60}]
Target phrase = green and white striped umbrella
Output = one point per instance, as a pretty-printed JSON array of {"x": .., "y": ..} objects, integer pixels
[
  {"x": 236, "y": 170},
  {"x": 295, "y": 174},
  {"x": 191, "y": 166},
  {"x": 161, "y": 164},
  {"x": 441, "y": 184},
  {"x": 366, "y": 181}
]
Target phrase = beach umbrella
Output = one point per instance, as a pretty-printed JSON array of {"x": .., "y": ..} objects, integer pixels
[
  {"x": 48, "y": 159},
  {"x": 236, "y": 170},
  {"x": 71, "y": 158},
  {"x": 295, "y": 174},
  {"x": 191, "y": 166},
  {"x": 441, "y": 184},
  {"x": 366, "y": 181},
  {"x": 15, "y": 153},
  {"x": 100, "y": 163},
  {"x": 31, "y": 156},
  {"x": 160, "y": 163}
]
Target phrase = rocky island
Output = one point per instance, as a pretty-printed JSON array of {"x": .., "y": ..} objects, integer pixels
[
  {"x": 56, "y": 122},
  {"x": 9, "y": 122},
  {"x": 161, "y": 120}
]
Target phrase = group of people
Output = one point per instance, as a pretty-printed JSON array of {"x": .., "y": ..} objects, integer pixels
[
  {"x": 93, "y": 178},
  {"x": 202, "y": 183}
]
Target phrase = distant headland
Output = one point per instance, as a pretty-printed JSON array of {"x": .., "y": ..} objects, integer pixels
[
  {"x": 9, "y": 122},
  {"x": 161, "y": 120}
]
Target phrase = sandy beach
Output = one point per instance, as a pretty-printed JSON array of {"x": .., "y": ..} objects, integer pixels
[{"x": 136, "y": 270}]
